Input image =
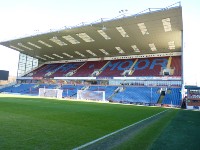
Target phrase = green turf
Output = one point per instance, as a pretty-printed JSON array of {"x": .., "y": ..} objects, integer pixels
[
  {"x": 36, "y": 123},
  {"x": 183, "y": 133},
  {"x": 176, "y": 130},
  {"x": 143, "y": 139}
]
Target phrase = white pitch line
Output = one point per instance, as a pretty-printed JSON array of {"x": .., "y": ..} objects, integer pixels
[{"x": 105, "y": 136}]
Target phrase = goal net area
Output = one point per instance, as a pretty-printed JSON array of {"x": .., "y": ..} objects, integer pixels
[
  {"x": 57, "y": 93},
  {"x": 91, "y": 95}
]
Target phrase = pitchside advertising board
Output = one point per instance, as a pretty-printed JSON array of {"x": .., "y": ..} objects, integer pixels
[{"x": 4, "y": 75}]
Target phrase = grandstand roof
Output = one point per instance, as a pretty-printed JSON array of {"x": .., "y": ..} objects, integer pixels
[{"x": 148, "y": 32}]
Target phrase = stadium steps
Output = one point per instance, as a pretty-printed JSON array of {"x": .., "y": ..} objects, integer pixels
[
  {"x": 134, "y": 64},
  {"x": 89, "y": 69},
  {"x": 85, "y": 87},
  {"x": 110, "y": 97},
  {"x": 116, "y": 91},
  {"x": 132, "y": 67},
  {"x": 162, "y": 96},
  {"x": 101, "y": 70},
  {"x": 80, "y": 67},
  {"x": 55, "y": 70},
  {"x": 169, "y": 65},
  {"x": 169, "y": 62},
  {"x": 173, "y": 96},
  {"x": 163, "y": 92}
]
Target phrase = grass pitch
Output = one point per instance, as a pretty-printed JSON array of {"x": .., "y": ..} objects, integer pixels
[{"x": 38, "y": 123}]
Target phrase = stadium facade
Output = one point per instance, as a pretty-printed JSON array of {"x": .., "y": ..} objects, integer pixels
[
  {"x": 192, "y": 98},
  {"x": 134, "y": 59}
]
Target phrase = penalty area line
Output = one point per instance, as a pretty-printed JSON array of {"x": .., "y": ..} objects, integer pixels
[{"x": 117, "y": 131}]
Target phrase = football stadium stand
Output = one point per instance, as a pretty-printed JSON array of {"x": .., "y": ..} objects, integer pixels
[
  {"x": 136, "y": 59},
  {"x": 113, "y": 68}
]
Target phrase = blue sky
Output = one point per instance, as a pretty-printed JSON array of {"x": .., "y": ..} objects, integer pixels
[{"x": 22, "y": 17}]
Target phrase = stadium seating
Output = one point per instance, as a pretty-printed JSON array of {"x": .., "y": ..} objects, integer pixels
[
  {"x": 109, "y": 90},
  {"x": 18, "y": 88},
  {"x": 130, "y": 94},
  {"x": 88, "y": 68},
  {"x": 115, "y": 68},
  {"x": 65, "y": 68},
  {"x": 43, "y": 70},
  {"x": 149, "y": 66},
  {"x": 35, "y": 89},
  {"x": 138, "y": 94},
  {"x": 176, "y": 63},
  {"x": 173, "y": 96},
  {"x": 71, "y": 90},
  {"x": 33, "y": 72}
]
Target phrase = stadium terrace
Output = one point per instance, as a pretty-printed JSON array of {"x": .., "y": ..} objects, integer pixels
[{"x": 133, "y": 59}]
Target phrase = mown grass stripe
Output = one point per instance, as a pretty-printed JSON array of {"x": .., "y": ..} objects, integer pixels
[{"x": 117, "y": 131}]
